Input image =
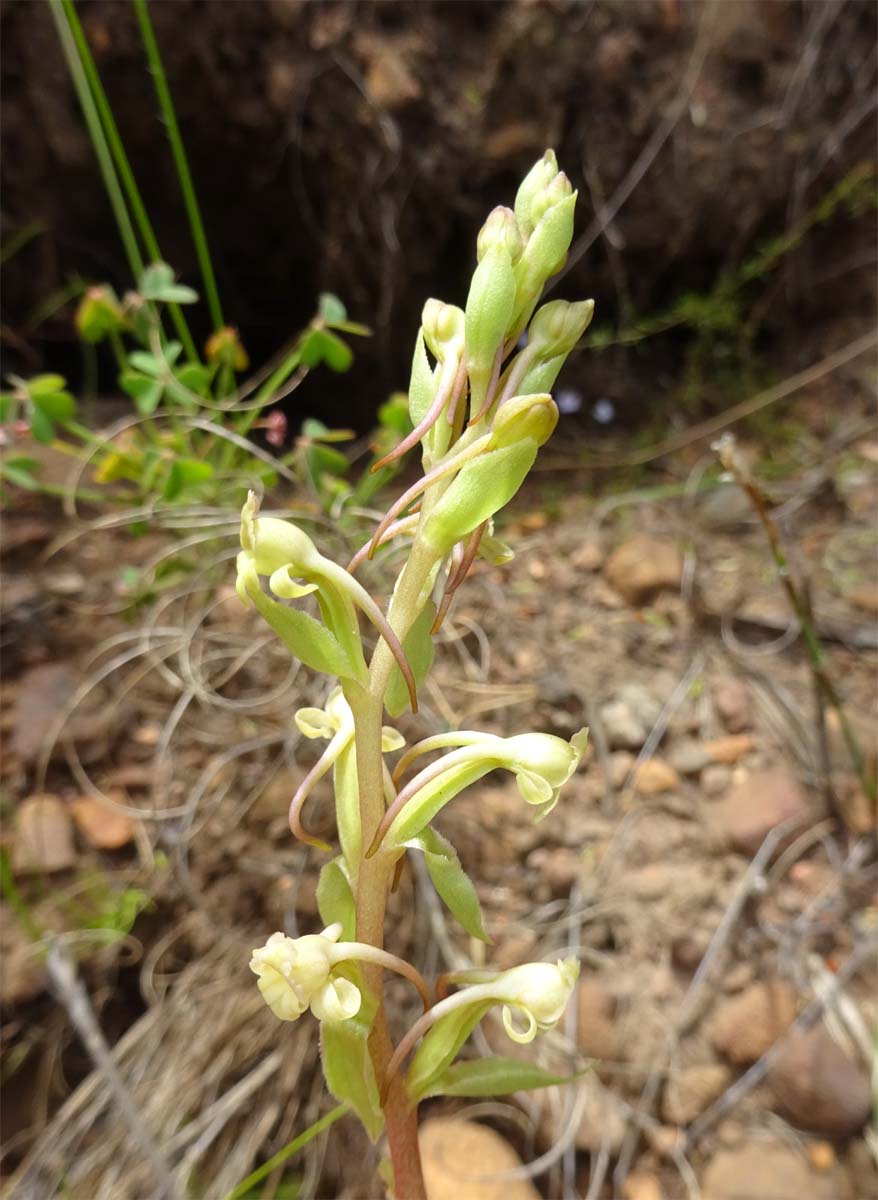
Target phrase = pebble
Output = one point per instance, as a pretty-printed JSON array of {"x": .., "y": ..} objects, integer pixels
[
  {"x": 715, "y": 779},
  {"x": 769, "y": 1170},
  {"x": 693, "y": 1090},
  {"x": 629, "y": 716},
  {"x": 818, "y": 1087},
  {"x": 454, "y": 1152},
  {"x": 41, "y": 695},
  {"x": 689, "y": 757},
  {"x": 43, "y": 836},
  {"x": 101, "y": 822},
  {"x": 655, "y": 776},
  {"x": 744, "y": 1026},
  {"x": 642, "y": 1185},
  {"x": 733, "y": 702},
  {"x": 559, "y": 867},
  {"x": 644, "y": 566},
  {"x": 864, "y": 597},
  {"x": 757, "y": 805},
  {"x": 729, "y": 750},
  {"x": 597, "y": 1036}
]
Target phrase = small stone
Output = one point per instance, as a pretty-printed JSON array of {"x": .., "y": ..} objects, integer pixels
[
  {"x": 693, "y": 1090},
  {"x": 43, "y": 836},
  {"x": 757, "y": 805},
  {"x": 652, "y": 881},
  {"x": 644, "y": 566},
  {"x": 629, "y": 716},
  {"x": 769, "y": 1170},
  {"x": 597, "y": 1036},
  {"x": 642, "y": 1185},
  {"x": 729, "y": 750},
  {"x": 64, "y": 583},
  {"x": 859, "y": 811},
  {"x": 738, "y": 977},
  {"x": 733, "y": 702},
  {"x": 864, "y": 597},
  {"x": 103, "y": 824},
  {"x": 821, "y": 1155},
  {"x": 603, "y": 1123},
  {"x": 746, "y": 1025},
  {"x": 818, "y": 1087},
  {"x": 689, "y": 757},
  {"x": 537, "y": 569},
  {"x": 41, "y": 696},
  {"x": 587, "y": 557},
  {"x": 655, "y": 776},
  {"x": 456, "y": 1152},
  {"x": 559, "y": 867},
  {"x": 715, "y": 779},
  {"x": 621, "y": 762}
]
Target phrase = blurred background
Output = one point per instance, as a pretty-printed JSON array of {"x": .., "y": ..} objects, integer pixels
[{"x": 714, "y": 862}]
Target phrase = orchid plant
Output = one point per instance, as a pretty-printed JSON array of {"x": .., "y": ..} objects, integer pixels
[{"x": 480, "y": 409}]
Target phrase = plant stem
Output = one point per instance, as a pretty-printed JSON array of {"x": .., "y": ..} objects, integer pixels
[
  {"x": 98, "y": 139},
  {"x": 178, "y": 150},
  {"x": 123, "y": 167}
]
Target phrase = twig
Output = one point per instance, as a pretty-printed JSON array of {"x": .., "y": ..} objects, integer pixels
[
  {"x": 72, "y": 994},
  {"x": 749, "y": 1080},
  {"x": 797, "y": 596}
]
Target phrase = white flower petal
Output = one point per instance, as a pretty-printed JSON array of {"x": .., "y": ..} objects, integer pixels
[{"x": 337, "y": 1000}]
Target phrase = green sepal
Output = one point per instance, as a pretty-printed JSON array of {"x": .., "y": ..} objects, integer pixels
[
  {"x": 419, "y": 650},
  {"x": 441, "y": 1046},
  {"x": 57, "y": 406},
  {"x": 483, "y": 1077},
  {"x": 451, "y": 881},
  {"x": 482, "y": 487},
  {"x": 335, "y": 898},
  {"x": 422, "y": 384},
  {"x": 542, "y": 375},
  {"x": 347, "y": 806},
  {"x": 303, "y": 636},
  {"x": 347, "y": 1064},
  {"x": 489, "y": 307},
  {"x": 433, "y": 796}
]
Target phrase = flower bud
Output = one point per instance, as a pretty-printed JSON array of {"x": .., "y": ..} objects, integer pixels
[
  {"x": 553, "y": 193},
  {"x": 543, "y": 763},
  {"x": 443, "y": 326},
  {"x": 557, "y": 327},
  {"x": 99, "y": 314},
  {"x": 538, "y": 990},
  {"x": 224, "y": 346},
  {"x": 501, "y": 228},
  {"x": 524, "y": 417},
  {"x": 538, "y": 177},
  {"x": 489, "y": 310}
]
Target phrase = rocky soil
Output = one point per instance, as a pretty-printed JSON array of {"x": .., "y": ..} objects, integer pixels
[{"x": 713, "y": 864}]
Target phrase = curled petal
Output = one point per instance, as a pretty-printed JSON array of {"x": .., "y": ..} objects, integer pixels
[
  {"x": 314, "y": 723},
  {"x": 337, "y": 1000},
  {"x": 522, "y": 1036},
  {"x": 285, "y": 587}
]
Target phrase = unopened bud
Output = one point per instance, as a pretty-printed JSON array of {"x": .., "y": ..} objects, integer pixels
[
  {"x": 538, "y": 177},
  {"x": 489, "y": 310},
  {"x": 225, "y": 346},
  {"x": 553, "y": 193},
  {"x": 501, "y": 228},
  {"x": 558, "y": 326},
  {"x": 443, "y": 326},
  {"x": 540, "y": 992},
  {"x": 99, "y": 314}
]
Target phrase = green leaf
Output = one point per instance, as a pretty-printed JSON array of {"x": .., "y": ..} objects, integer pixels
[
  {"x": 335, "y": 899},
  {"x": 149, "y": 364},
  {"x": 178, "y": 293},
  {"x": 331, "y": 309},
  {"x": 20, "y": 471},
  {"x": 41, "y": 425},
  {"x": 320, "y": 346},
  {"x": 393, "y": 415},
  {"x": 493, "y": 1077},
  {"x": 195, "y": 377},
  {"x": 157, "y": 275},
  {"x": 347, "y": 1064},
  {"x": 59, "y": 406},
  {"x": 325, "y": 460},
  {"x": 451, "y": 881},
  {"x": 7, "y": 404},
  {"x": 42, "y": 385},
  {"x": 433, "y": 796},
  {"x": 244, "y": 1188},
  {"x": 422, "y": 384},
  {"x": 184, "y": 473},
  {"x": 419, "y": 650},
  {"x": 441, "y": 1046},
  {"x": 145, "y": 392}
]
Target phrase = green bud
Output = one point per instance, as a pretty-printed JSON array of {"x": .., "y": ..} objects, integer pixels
[
  {"x": 489, "y": 310},
  {"x": 99, "y": 314},
  {"x": 524, "y": 417},
  {"x": 501, "y": 228},
  {"x": 542, "y": 375},
  {"x": 538, "y": 177},
  {"x": 543, "y": 255},
  {"x": 443, "y": 326},
  {"x": 553, "y": 193},
  {"x": 422, "y": 384},
  {"x": 557, "y": 327}
]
